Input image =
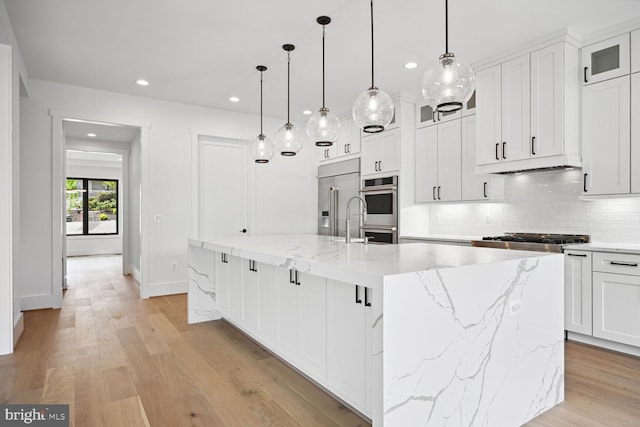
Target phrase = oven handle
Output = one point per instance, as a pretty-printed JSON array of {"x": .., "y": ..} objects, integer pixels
[{"x": 379, "y": 189}]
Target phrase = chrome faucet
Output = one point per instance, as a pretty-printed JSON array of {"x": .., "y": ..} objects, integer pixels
[{"x": 364, "y": 215}]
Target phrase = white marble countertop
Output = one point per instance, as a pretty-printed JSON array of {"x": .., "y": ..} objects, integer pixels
[
  {"x": 352, "y": 262},
  {"x": 626, "y": 248},
  {"x": 453, "y": 238}
]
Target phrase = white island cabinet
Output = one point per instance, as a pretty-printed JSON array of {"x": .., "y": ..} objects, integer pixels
[{"x": 410, "y": 334}]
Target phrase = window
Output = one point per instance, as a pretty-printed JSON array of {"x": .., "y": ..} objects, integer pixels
[{"x": 92, "y": 206}]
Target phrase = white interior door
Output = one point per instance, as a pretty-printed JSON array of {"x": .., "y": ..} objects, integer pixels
[{"x": 222, "y": 188}]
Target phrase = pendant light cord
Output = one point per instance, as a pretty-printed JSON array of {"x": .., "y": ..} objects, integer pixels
[
  {"x": 261, "y": 103},
  {"x": 288, "y": 84},
  {"x": 372, "y": 84},
  {"x": 323, "y": 34},
  {"x": 446, "y": 26}
]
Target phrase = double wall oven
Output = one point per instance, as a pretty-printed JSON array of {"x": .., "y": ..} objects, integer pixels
[{"x": 381, "y": 195}]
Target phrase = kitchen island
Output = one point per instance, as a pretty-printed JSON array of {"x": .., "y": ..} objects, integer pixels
[{"x": 410, "y": 334}]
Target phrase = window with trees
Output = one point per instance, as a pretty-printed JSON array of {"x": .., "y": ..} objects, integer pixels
[{"x": 92, "y": 206}]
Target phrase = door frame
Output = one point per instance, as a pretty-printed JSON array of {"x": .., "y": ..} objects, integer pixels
[
  {"x": 58, "y": 187},
  {"x": 195, "y": 174}
]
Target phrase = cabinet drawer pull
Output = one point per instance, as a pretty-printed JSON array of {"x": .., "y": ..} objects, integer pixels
[
  {"x": 224, "y": 258},
  {"x": 504, "y": 150},
  {"x": 367, "y": 303},
  {"x": 584, "y": 183},
  {"x": 585, "y": 74},
  {"x": 484, "y": 190},
  {"x": 497, "y": 157},
  {"x": 624, "y": 264},
  {"x": 533, "y": 145},
  {"x": 438, "y": 192},
  {"x": 291, "y": 277},
  {"x": 380, "y": 165},
  {"x": 297, "y": 282},
  {"x": 358, "y": 300},
  {"x": 434, "y": 193},
  {"x": 580, "y": 255}
]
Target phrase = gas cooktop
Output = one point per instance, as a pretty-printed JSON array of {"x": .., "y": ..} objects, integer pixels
[{"x": 531, "y": 241}]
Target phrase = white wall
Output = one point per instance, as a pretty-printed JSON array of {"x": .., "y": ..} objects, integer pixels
[
  {"x": 542, "y": 202},
  {"x": 171, "y": 126},
  {"x": 97, "y": 245},
  {"x": 133, "y": 218}
]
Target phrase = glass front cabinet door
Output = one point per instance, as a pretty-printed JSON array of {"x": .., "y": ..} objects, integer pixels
[{"x": 606, "y": 60}]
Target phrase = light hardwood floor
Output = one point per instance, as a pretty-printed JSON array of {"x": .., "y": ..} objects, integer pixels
[{"x": 121, "y": 361}]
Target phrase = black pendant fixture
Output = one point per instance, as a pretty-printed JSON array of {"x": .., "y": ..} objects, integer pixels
[
  {"x": 323, "y": 127},
  {"x": 261, "y": 148},
  {"x": 288, "y": 137}
]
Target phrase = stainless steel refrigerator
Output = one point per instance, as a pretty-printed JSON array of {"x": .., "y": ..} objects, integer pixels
[{"x": 337, "y": 183}]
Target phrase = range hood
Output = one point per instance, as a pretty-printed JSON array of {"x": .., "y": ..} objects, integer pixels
[{"x": 537, "y": 164}]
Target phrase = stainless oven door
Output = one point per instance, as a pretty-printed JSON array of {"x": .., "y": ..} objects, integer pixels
[{"x": 382, "y": 206}]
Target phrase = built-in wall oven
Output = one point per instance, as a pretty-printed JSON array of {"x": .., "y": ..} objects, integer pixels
[{"x": 381, "y": 195}]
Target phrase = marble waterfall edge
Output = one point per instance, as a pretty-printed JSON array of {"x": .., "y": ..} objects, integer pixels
[
  {"x": 475, "y": 345},
  {"x": 201, "y": 297}
]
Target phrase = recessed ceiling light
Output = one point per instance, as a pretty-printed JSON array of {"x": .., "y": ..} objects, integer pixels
[
  {"x": 411, "y": 65},
  {"x": 91, "y": 135},
  {"x": 306, "y": 112},
  {"x": 234, "y": 99},
  {"x": 142, "y": 82}
]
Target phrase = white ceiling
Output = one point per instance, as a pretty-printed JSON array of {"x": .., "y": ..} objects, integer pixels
[
  {"x": 201, "y": 51},
  {"x": 104, "y": 132}
]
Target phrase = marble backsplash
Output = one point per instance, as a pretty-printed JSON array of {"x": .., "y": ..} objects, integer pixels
[{"x": 542, "y": 202}]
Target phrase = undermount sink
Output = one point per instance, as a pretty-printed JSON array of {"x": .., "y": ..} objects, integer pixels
[{"x": 344, "y": 240}]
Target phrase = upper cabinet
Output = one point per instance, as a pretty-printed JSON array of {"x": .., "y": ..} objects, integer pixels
[
  {"x": 527, "y": 111},
  {"x": 605, "y": 60},
  {"x": 348, "y": 142},
  {"x": 380, "y": 152}
]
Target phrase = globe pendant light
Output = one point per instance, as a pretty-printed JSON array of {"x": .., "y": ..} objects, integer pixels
[
  {"x": 288, "y": 137},
  {"x": 450, "y": 83},
  {"x": 261, "y": 148},
  {"x": 323, "y": 126},
  {"x": 373, "y": 109}
]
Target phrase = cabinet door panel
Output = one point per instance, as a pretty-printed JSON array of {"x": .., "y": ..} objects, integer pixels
[
  {"x": 390, "y": 151},
  {"x": 635, "y": 130},
  {"x": 222, "y": 284},
  {"x": 370, "y": 154},
  {"x": 616, "y": 307},
  {"x": 426, "y": 164},
  {"x": 267, "y": 302},
  {"x": 313, "y": 323},
  {"x": 547, "y": 94},
  {"x": 250, "y": 297},
  {"x": 235, "y": 288},
  {"x": 516, "y": 111},
  {"x": 488, "y": 116},
  {"x": 474, "y": 187},
  {"x": 606, "y": 136},
  {"x": 449, "y": 161},
  {"x": 346, "y": 364},
  {"x": 605, "y": 60},
  {"x": 577, "y": 292},
  {"x": 287, "y": 324}
]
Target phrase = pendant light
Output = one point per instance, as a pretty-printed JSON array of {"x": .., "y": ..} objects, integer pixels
[
  {"x": 373, "y": 109},
  {"x": 288, "y": 137},
  {"x": 261, "y": 148},
  {"x": 323, "y": 127},
  {"x": 450, "y": 83}
]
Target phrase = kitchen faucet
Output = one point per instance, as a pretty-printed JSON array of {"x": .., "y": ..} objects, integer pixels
[{"x": 364, "y": 216}]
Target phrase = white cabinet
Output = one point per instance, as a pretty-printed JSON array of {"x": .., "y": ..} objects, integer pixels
[
  {"x": 348, "y": 332},
  {"x": 221, "y": 274},
  {"x": 516, "y": 114},
  {"x": 527, "y": 112},
  {"x": 616, "y": 307},
  {"x": 635, "y": 132},
  {"x": 327, "y": 153},
  {"x": 258, "y": 299},
  {"x": 476, "y": 186},
  {"x": 438, "y": 162},
  {"x": 606, "y": 137},
  {"x": 301, "y": 321},
  {"x": 635, "y": 51},
  {"x": 380, "y": 152},
  {"x": 228, "y": 278},
  {"x": 577, "y": 291},
  {"x": 348, "y": 142},
  {"x": 427, "y": 116},
  {"x": 605, "y": 60}
]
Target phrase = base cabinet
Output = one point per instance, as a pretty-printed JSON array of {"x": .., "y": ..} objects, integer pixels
[
  {"x": 616, "y": 307},
  {"x": 577, "y": 292},
  {"x": 228, "y": 279}
]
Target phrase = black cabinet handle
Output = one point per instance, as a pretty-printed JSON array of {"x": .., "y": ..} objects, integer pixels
[
  {"x": 485, "y": 189},
  {"x": 297, "y": 282},
  {"x": 367, "y": 303},
  {"x": 497, "y": 157},
  {"x": 584, "y": 185},
  {"x": 504, "y": 150},
  {"x": 224, "y": 258},
  {"x": 438, "y": 192},
  {"x": 380, "y": 165},
  {"x": 439, "y": 115},
  {"x": 433, "y": 116},
  {"x": 533, "y": 145},
  {"x": 624, "y": 264},
  {"x": 585, "y": 74},
  {"x": 291, "y": 277},
  {"x": 252, "y": 265},
  {"x": 434, "y": 193},
  {"x": 580, "y": 255},
  {"x": 358, "y": 300}
]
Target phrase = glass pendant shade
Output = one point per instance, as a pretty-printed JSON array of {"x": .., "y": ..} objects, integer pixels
[
  {"x": 261, "y": 149},
  {"x": 449, "y": 84},
  {"x": 288, "y": 140},
  {"x": 373, "y": 110},
  {"x": 323, "y": 127}
]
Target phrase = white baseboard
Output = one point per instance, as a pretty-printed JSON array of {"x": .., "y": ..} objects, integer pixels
[
  {"x": 37, "y": 302},
  {"x": 165, "y": 288},
  {"x": 96, "y": 251},
  {"x": 18, "y": 329},
  {"x": 609, "y": 345},
  {"x": 135, "y": 273}
]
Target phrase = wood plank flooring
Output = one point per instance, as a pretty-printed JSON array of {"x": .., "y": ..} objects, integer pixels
[{"x": 122, "y": 361}]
